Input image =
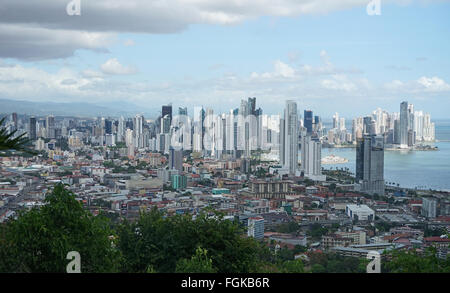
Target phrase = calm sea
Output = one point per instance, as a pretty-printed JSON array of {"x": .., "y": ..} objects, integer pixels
[{"x": 422, "y": 169}]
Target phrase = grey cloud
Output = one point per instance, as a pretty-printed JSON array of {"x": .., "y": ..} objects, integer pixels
[
  {"x": 41, "y": 29},
  {"x": 31, "y": 43},
  {"x": 68, "y": 82}
]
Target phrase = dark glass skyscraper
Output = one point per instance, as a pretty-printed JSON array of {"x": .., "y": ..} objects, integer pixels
[
  {"x": 32, "y": 134},
  {"x": 167, "y": 110},
  {"x": 370, "y": 164},
  {"x": 108, "y": 126},
  {"x": 308, "y": 121}
]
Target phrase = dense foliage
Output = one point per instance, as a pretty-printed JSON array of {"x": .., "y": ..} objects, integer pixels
[
  {"x": 413, "y": 262},
  {"x": 39, "y": 240}
]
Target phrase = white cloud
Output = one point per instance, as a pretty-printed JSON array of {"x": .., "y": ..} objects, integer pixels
[
  {"x": 281, "y": 70},
  {"x": 112, "y": 66},
  {"x": 339, "y": 82},
  {"x": 433, "y": 84},
  {"x": 422, "y": 85},
  {"x": 88, "y": 73},
  {"x": 394, "y": 85}
]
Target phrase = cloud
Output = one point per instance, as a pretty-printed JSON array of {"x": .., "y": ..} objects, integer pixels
[
  {"x": 339, "y": 82},
  {"x": 41, "y": 29},
  {"x": 281, "y": 70},
  {"x": 433, "y": 84},
  {"x": 36, "y": 43},
  {"x": 68, "y": 82},
  {"x": 88, "y": 73},
  {"x": 283, "y": 82},
  {"x": 420, "y": 86},
  {"x": 112, "y": 66}
]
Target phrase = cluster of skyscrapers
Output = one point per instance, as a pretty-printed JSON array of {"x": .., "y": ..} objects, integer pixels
[
  {"x": 402, "y": 129},
  {"x": 245, "y": 129}
]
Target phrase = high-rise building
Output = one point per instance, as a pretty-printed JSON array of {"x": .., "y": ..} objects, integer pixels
[
  {"x": 251, "y": 106},
  {"x": 178, "y": 181},
  {"x": 370, "y": 164},
  {"x": 429, "y": 207},
  {"x": 50, "y": 126},
  {"x": 182, "y": 111},
  {"x": 342, "y": 124},
  {"x": 404, "y": 123},
  {"x": 139, "y": 131},
  {"x": 336, "y": 120},
  {"x": 311, "y": 158},
  {"x": 289, "y": 138},
  {"x": 197, "y": 137},
  {"x": 256, "y": 227},
  {"x": 121, "y": 129},
  {"x": 397, "y": 131},
  {"x": 176, "y": 159},
  {"x": 369, "y": 125},
  {"x": 108, "y": 126},
  {"x": 14, "y": 120},
  {"x": 32, "y": 133},
  {"x": 165, "y": 124},
  {"x": 167, "y": 110},
  {"x": 308, "y": 121}
]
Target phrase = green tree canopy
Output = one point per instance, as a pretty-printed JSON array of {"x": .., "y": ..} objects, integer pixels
[
  {"x": 199, "y": 263},
  {"x": 413, "y": 262},
  {"x": 39, "y": 239},
  {"x": 161, "y": 241}
]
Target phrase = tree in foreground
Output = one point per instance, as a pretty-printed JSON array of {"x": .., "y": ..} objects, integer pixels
[
  {"x": 39, "y": 239},
  {"x": 199, "y": 263},
  {"x": 413, "y": 262},
  {"x": 158, "y": 241}
]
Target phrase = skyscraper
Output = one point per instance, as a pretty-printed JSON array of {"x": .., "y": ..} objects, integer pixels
[
  {"x": 121, "y": 129},
  {"x": 182, "y": 111},
  {"x": 289, "y": 138},
  {"x": 311, "y": 158},
  {"x": 167, "y": 110},
  {"x": 138, "y": 131},
  {"x": 370, "y": 164},
  {"x": 308, "y": 121},
  {"x": 336, "y": 120},
  {"x": 251, "y": 106},
  {"x": 369, "y": 125},
  {"x": 176, "y": 159},
  {"x": 32, "y": 133},
  {"x": 165, "y": 124},
  {"x": 50, "y": 126},
  {"x": 404, "y": 123},
  {"x": 199, "y": 116},
  {"x": 14, "y": 120}
]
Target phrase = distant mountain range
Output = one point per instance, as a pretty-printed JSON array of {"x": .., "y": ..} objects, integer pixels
[{"x": 77, "y": 109}]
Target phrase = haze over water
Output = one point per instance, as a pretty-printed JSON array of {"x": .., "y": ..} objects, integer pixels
[{"x": 421, "y": 169}]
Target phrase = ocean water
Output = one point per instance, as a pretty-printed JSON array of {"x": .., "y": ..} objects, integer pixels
[{"x": 421, "y": 169}]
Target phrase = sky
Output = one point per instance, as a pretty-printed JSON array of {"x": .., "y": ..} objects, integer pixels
[{"x": 328, "y": 55}]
